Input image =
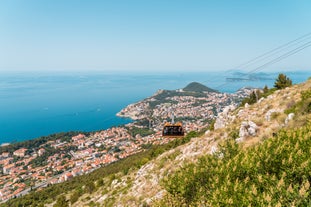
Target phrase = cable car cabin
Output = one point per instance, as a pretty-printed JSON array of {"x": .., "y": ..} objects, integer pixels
[{"x": 173, "y": 130}]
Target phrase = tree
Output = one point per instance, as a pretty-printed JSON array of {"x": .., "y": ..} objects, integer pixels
[
  {"x": 265, "y": 89},
  {"x": 253, "y": 97},
  {"x": 282, "y": 81},
  {"x": 75, "y": 197},
  {"x": 61, "y": 202},
  {"x": 90, "y": 187},
  {"x": 100, "y": 183}
]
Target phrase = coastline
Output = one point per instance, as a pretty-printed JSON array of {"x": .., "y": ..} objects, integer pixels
[{"x": 84, "y": 116}]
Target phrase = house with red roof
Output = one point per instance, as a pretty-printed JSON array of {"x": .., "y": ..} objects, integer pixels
[{"x": 20, "y": 152}]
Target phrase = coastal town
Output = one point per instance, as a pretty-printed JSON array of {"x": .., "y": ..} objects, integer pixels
[
  {"x": 59, "y": 160},
  {"x": 87, "y": 153}
]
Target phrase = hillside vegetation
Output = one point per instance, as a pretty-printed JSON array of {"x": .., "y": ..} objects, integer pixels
[{"x": 275, "y": 173}]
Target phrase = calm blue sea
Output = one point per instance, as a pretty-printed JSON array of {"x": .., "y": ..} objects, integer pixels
[{"x": 37, "y": 104}]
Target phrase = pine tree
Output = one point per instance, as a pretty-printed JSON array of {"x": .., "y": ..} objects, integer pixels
[
  {"x": 253, "y": 98},
  {"x": 282, "y": 81},
  {"x": 265, "y": 89}
]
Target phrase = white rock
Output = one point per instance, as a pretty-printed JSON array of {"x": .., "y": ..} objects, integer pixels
[
  {"x": 114, "y": 182},
  {"x": 232, "y": 107},
  {"x": 261, "y": 99},
  {"x": 289, "y": 117},
  {"x": 207, "y": 132},
  {"x": 247, "y": 129},
  {"x": 271, "y": 96},
  {"x": 244, "y": 124},
  {"x": 243, "y": 133},
  {"x": 240, "y": 113},
  {"x": 224, "y": 117},
  {"x": 252, "y": 124},
  {"x": 219, "y": 123},
  {"x": 252, "y": 131},
  {"x": 225, "y": 111},
  {"x": 268, "y": 114},
  {"x": 214, "y": 149},
  {"x": 241, "y": 139}
]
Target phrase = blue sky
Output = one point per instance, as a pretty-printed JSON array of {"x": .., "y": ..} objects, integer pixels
[{"x": 148, "y": 35}]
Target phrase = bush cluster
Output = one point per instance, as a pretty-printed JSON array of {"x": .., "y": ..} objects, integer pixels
[
  {"x": 303, "y": 106},
  {"x": 274, "y": 173}
]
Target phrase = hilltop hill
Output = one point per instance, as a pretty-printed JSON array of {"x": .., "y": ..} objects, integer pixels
[
  {"x": 256, "y": 155},
  {"x": 198, "y": 87}
]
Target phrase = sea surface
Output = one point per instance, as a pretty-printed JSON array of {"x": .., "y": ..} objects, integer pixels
[{"x": 38, "y": 104}]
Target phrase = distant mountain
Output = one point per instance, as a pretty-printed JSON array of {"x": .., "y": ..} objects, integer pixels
[
  {"x": 238, "y": 75},
  {"x": 198, "y": 87}
]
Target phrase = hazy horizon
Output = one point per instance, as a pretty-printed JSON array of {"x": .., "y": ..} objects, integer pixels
[{"x": 146, "y": 72}]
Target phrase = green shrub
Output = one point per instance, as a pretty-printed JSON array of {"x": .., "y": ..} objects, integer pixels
[
  {"x": 61, "y": 202},
  {"x": 303, "y": 106},
  {"x": 75, "y": 196},
  {"x": 275, "y": 173},
  {"x": 234, "y": 134},
  {"x": 275, "y": 115}
]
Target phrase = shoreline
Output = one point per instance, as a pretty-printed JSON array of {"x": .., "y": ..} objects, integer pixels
[
  {"x": 5, "y": 144},
  {"x": 130, "y": 120}
]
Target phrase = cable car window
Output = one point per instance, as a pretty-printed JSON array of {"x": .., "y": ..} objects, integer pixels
[{"x": 173, "y": 130}]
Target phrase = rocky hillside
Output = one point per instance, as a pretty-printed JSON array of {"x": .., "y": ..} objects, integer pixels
[{"x": 249, "y": 125}]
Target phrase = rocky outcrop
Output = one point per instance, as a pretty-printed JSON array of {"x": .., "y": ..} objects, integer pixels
[
  {"x": 261, "y": 99},
  {"x": 270, "y": 112},
  {"x": 248, "y": 128},
  {"x": 219, "y": 123},
  {"x": 224, "y": 118}
]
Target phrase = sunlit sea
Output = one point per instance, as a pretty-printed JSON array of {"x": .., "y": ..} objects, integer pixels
[{"x": 37, "y": 104}]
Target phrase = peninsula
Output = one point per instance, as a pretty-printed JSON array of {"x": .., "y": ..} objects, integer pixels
[{"x": 195, "y": 105}]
